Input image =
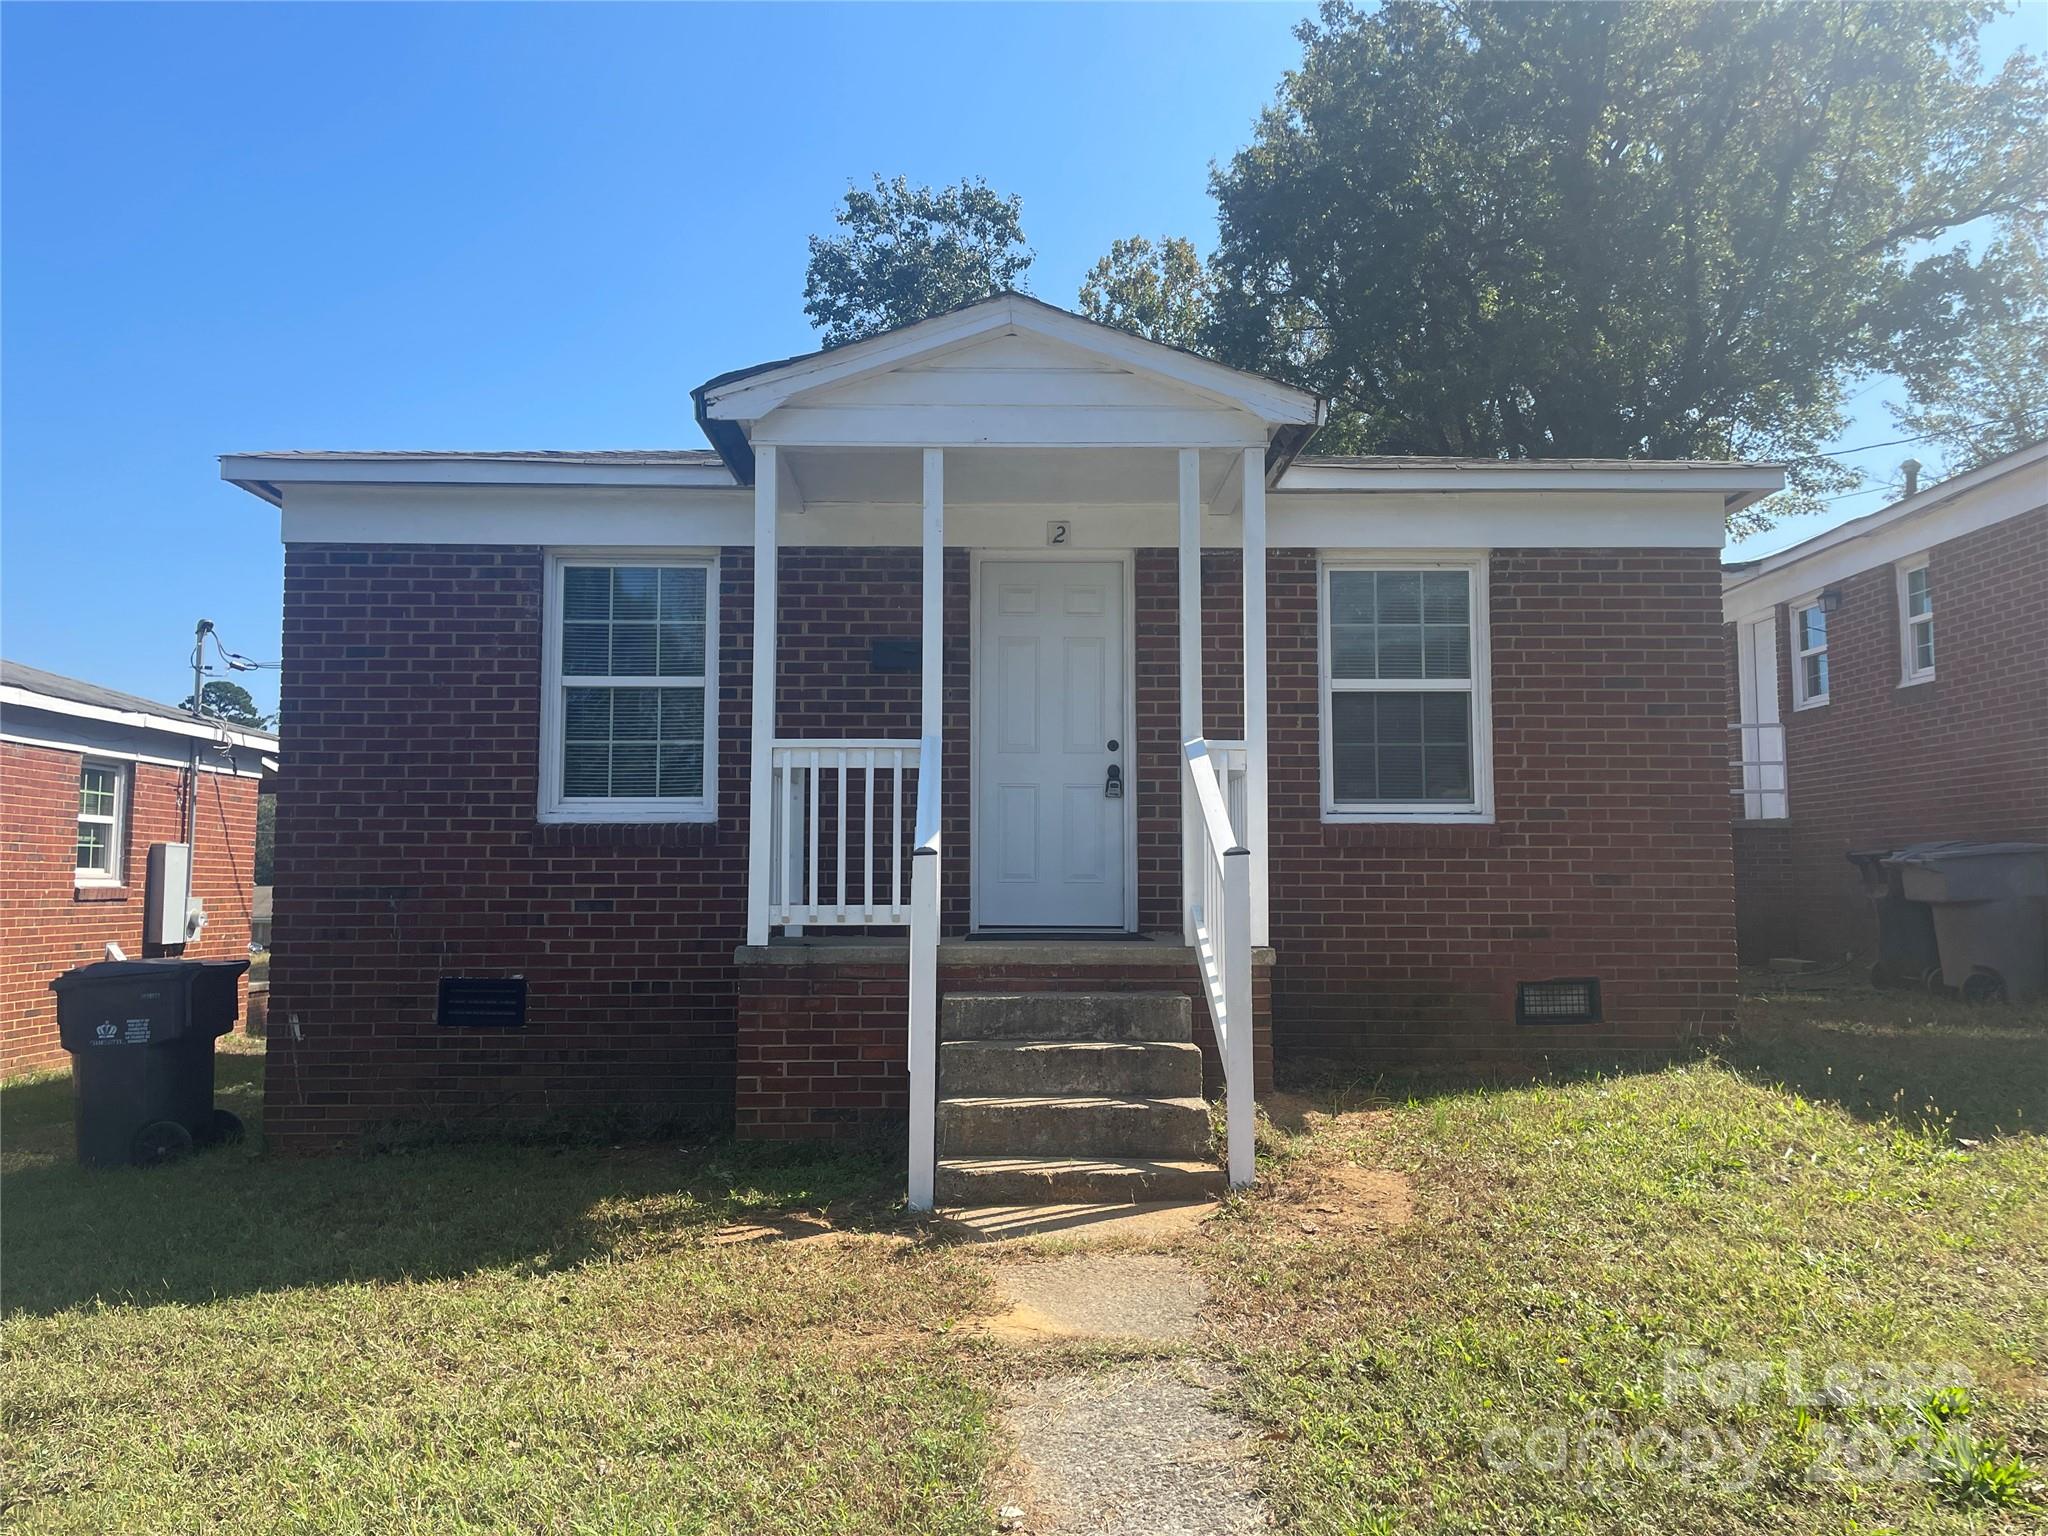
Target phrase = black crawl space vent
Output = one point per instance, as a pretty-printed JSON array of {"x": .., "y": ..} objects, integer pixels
[
  {"x": 481, "y": 1002},
  {"x": 1575, "y": 1001}
]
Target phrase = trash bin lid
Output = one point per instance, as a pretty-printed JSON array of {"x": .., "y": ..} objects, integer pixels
[
  {"x": 1931, "y": 853},
  {"x": 101, "y": 972}
]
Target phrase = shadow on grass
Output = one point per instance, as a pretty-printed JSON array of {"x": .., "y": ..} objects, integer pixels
[
  {"x": 1878, "y": 1055},
  {"x": 1983, "y": 1070},
  {"x": 232, "y": 1222}
]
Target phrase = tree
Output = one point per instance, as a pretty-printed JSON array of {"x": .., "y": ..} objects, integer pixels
[
  {"x": 1663, "y": 229},
  {"x": 227, "y": 701},
  {"x": 1982, "y": 391},
  {"x": 1162, "y": 292},
  {"x": 266, "y": 839},
  {"x": 908, "y": 253}
]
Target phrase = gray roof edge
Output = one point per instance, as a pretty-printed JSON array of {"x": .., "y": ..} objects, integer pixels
[{"x": 55, "y": 685}]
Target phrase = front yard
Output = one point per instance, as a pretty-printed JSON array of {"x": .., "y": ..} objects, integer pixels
[{"x": 1450, "y": 1308}]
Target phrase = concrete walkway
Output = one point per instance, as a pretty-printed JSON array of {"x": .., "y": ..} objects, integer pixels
[{"x": 1128, "y": 1448}]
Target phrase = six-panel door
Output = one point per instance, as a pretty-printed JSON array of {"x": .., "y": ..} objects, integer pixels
[{"x": 1052, "y": 795}]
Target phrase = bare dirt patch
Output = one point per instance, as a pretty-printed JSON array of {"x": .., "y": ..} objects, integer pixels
[
  {"x": 1139, "y": 1450},
  {"x": 1098, "y": 1296},
  {"x": 1322, "y": 1199}
]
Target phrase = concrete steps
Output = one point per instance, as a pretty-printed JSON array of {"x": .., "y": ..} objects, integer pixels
[
  {"x": 1169, "y": 1069},
  {"x": 1062, "y": 1097},
  {"x": 971, "y": 1181},
  {"x": 1066, "y": 1016}
]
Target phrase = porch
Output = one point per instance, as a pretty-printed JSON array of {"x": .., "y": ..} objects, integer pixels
[{"x": 1097, "y": 851}]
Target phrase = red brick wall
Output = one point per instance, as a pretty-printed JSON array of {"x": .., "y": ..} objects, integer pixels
[
  {"x": 1765, "y": 906},
  {"x": 408, "y": 849},
  {"x": 1962, "y": 756},
  {"x": 1609, "y": 852},
  {"x": 408, "y": 846},
  {"x": 48, "y": 924}
]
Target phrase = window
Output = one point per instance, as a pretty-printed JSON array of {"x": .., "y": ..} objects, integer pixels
[
  {"x": 1809, "y": 653},
  {"x": 631, "y": 712},
  {"x": 1916, "y": 622},
  {"x": 1405, "y": 713},
  {"x": 101, "y": 798}
]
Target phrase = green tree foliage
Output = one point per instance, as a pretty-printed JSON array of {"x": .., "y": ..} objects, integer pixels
[
  {"x": 1664, "y": 229},
  {"x": 227, "y": 701},
  {"x": 1982, "y": 389},
  {"x": 905, "y": 253},
  {"x": 266, "y": 838},
  {"x": 1163, "y": 292}
]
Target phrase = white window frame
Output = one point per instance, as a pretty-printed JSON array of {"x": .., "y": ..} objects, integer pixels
[
  {"x": 1908, "y": 673},
  {"x": 1479, "y": 686},
  {"x": 117, "y": 825},
  {"x": 554, "y": 806},
  {"x": 1801, "y": 699}
]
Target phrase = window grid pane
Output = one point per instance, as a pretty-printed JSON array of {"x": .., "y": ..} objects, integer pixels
[
  {"x": 639, "y": 740},
  {"x": 1400, "y": 625}
]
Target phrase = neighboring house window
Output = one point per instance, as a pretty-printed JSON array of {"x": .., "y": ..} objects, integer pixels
[
  {"x": 101, "y": 796},
  {"x": 1916, "y": 621},
  {"x": 631, "y": 709},
  {"x": 1406, "y": 719},
  {"x": 1809, "y": 654}
]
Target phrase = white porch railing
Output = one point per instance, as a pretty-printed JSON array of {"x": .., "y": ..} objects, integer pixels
[
  {"x": 1760, "y": 764},
  {"x": 1220, "y": 917},
  {"x": 924, "y": 979},
  {"x": 838, "y": 842}
]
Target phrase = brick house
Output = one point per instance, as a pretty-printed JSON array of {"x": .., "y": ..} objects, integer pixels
[
  {"x": 1891, "y": 687},
  {"x": 89, "y": 780},
  {"x": 899, "y": 759}
]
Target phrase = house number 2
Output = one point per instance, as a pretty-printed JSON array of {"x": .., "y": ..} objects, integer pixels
[{"x": 1056, "y": 533}]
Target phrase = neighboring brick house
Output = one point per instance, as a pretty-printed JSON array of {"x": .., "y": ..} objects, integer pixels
[
  {"x": 1891, "y": 687},
  {"x": 742, "y": 844},
  {"x": 89, "y": 779}
]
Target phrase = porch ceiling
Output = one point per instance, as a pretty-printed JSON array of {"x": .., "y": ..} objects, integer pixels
[{"x": 1003, "y": 476}]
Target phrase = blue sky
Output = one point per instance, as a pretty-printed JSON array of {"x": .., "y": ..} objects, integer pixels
[{"x": 247, "y": 227}]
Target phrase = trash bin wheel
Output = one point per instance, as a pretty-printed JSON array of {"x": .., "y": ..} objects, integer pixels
[
  {"x": 160, "y": 1141},
  {"x": 1984, "y": 987},
  {"x": 224, "y": 1130}
]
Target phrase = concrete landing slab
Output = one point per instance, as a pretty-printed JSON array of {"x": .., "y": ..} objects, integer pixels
[
  {"x": 1144, "y": 1221},
  {"x": 1098, "y": 1296}
]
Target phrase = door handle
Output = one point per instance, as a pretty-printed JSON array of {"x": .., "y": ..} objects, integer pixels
[{"x": 1113, "y": 783}]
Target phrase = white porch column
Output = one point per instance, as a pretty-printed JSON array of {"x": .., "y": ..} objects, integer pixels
[
  {"x": 1190, "y": 667},
  {"x": 1255, "y": 683},
  {"x": 760, "y": 780},
  {"x": 934, "y": 584}
]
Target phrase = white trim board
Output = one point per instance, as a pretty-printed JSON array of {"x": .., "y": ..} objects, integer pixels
[
  {"x": 2008, "y": 488},
  {"x": 236, "y": 769},
  {"x": 26, "y": 698},
  {"x": 644, "y": 518}
]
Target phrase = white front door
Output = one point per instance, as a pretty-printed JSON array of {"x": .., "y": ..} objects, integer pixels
[{"x": 1050, "y": 816}]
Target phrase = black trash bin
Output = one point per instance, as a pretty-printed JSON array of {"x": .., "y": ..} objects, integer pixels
[
  {"x": 1907, "y": 953},
  {"x": 140, "y": 1034},
  {"x": 1990, "y": 907}
]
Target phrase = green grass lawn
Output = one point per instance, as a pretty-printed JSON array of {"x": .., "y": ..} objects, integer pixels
[
  {"x": 1858, "y": 1180},
  {"x": 565, "y": 1339},
  {"x": 473, "y": 1339}
]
